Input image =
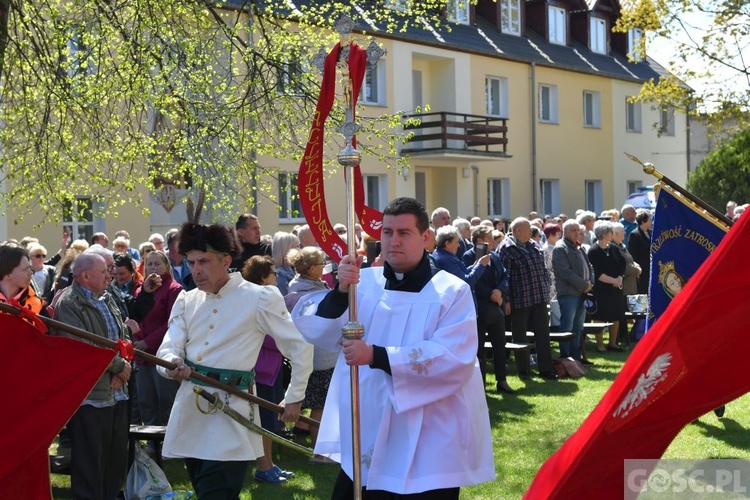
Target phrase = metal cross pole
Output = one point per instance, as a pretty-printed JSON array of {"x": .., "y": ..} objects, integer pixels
[{"x": 349, "y": 158}]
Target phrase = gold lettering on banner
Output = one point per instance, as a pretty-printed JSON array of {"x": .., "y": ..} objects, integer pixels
[
  {"x": 324, "y": 230},
  {"x": 675, "y": 232},
  {"x": 706, "y": 243},
  {"x": 688, "y": 234}
]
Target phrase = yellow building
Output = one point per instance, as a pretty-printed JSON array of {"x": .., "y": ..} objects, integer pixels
[{"x": 528, "y": 110}]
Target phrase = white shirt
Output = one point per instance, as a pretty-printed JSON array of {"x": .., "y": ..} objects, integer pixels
[
  {"x": 426, "y": 426},
  {"x": 226, "y": 330}
]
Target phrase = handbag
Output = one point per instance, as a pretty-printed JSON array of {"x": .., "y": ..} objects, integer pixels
[
  {"x": 268, "y": 365},
  {"x": 568, "y": 367},
  {"x": 590, "y": 303}
]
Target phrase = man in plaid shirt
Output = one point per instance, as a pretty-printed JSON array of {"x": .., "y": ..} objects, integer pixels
[{"x": 528, "y": 297}]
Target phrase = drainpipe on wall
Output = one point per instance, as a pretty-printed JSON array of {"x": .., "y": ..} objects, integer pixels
[
  {"x": 476, "y": 189},
  {"x": 533, "y": 137}
]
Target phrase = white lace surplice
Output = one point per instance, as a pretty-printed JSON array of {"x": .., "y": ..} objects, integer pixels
[{"x": 427, "y": 426}]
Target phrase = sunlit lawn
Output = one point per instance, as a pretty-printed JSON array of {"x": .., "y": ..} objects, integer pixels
[{"x": 527, "y": 428}]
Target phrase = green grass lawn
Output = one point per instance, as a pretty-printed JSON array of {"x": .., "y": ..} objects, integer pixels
[{"x": 527, "y": 427}]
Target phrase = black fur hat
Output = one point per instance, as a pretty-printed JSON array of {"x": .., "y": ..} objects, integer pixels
[{"x": 215, "y": 237}]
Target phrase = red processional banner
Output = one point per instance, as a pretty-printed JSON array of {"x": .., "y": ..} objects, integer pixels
[
  {"x": 688, "y": 363},
  {"x": 310, "y": 179},
  {"x": 45, "y": 379}
]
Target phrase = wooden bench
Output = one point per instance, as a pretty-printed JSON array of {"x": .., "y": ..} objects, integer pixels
[
  {"x": 595, "y": 327},
  {"x": 146, "y": 433},
  {"x": 553, "y": 336},
  {"x": 510, "y": 346}
]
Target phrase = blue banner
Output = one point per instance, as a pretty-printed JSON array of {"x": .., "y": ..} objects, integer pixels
[{"x": 682, "y": 239}]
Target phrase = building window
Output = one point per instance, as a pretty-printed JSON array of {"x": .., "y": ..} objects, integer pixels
[
  {"x": 550, "y": 191},
  {"x": 591, "y": 109},
  {"x": 458, "y": 11},
  {"x": 498, "y": 197},
  {"x": 373, "y": 87},
  {"x": 496, "y": 95},
  {"x": 376, "y": 191},
  {"x": 420, "y": 187},
  {"x": 557, "y": 26},
  {"x": 290, "y": 78},
  {"x": 290, "y": 207},
  {"x": 510, "y": 17},
  {"x": 548, "y": 103},
  {"x": 633, "y": 186},
  {"x": 78, "y": 218},
  {"x": 666, "y": 121},
  {"x": 594, "y": 196},
  {"x": 632, "y": 116},
  {"x": 634, "y": 42},
  {"x": 598, "y": 35}
]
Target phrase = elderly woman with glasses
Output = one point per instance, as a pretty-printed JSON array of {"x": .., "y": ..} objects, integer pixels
[
  {"x": 309, "y": 263},
  {"x": 43, "y": 275},
  {"x": 609, "y": 268}
]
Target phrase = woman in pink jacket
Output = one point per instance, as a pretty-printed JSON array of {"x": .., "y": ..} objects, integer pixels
[{"x": 155, "y": 393}]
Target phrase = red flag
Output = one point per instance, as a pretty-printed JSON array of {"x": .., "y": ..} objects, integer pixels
[
  {"x": 686, "y": 366},
  {"x": 45, "y": 378}
]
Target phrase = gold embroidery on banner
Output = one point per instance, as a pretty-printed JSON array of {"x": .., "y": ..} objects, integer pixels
[
  {"x": 313, "y": 188},
  {"x": 419, "y": 366}
]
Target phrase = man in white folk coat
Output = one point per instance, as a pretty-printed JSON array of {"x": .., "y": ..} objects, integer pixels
[
  {"x": 218, "y": 329},
  {"x": 425, "y": 428}
]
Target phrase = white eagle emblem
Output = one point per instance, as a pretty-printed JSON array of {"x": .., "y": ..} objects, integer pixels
[
  {"x": 376, "y": 224},
  {"x": 646, "y": 384},
  {"x": 338, "y": 249}
]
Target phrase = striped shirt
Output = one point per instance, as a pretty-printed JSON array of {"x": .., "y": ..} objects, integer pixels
[{"x": 113, "y": 334}]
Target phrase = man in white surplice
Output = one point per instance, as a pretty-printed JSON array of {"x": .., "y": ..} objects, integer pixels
[{"x": 425, "y": 428}]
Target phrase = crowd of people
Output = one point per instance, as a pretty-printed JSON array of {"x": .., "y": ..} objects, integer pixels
[{"x": 274, "y": 296}]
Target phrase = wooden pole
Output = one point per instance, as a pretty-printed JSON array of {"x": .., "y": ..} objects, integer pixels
[{"x": 109, "y": 344}]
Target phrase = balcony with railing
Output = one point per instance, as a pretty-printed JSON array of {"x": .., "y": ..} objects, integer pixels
[{"x": 447, "y": 134}]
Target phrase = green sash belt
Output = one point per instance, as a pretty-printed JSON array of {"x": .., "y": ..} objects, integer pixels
[{"x": 240, "y": 379}]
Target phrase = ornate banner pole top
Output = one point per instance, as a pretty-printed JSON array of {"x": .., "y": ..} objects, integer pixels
[
  {"x": 651, "y": 170},
  {"x": 351, "y": 60}
]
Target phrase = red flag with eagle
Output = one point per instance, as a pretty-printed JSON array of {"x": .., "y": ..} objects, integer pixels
[
  {"x": 45, "y": 379},
  {"x": 685, "y": 366}
]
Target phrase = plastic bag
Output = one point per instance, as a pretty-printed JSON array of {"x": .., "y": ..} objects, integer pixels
[
  {"x": 145, "y": 477},
  {"x": 637, "y": 303}
]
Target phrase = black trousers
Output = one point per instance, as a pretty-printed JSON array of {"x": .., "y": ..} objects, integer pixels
[
  {"x": 535, "y": 319},
  {"x": 344, "y": 490},
  {"x": 99, "y": 451},
  {"x": 496, "y": 332},
  {"x": 215, "y": 480}
]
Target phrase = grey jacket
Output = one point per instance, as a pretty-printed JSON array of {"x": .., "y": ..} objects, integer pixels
[
  {"x": 568, "y": 268},
  {"x": 74, "y": 309}
]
